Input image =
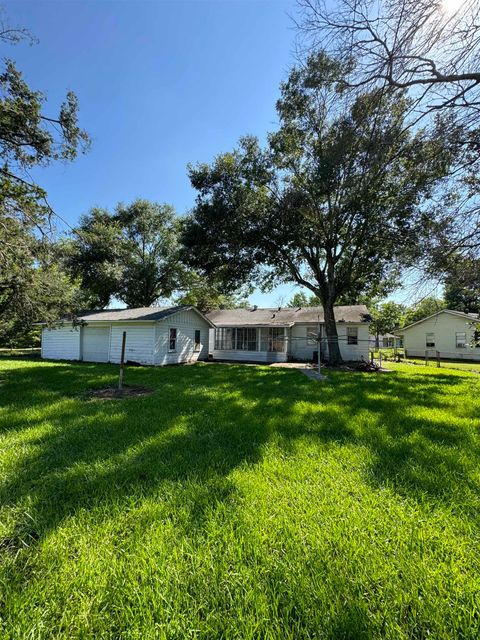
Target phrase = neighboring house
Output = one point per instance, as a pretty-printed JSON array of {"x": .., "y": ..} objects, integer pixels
[
  {"x": 386, "y": 341},
  {"x": 451, "y": 333},
  {"x": 281, "y": 334},
  {"x": 155, "y": 336}
]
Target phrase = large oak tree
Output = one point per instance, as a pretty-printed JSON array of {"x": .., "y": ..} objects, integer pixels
[{"x": 332, "y": 202}]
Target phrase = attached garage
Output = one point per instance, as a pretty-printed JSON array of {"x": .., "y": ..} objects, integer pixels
[{"x": 155, "y": 336}]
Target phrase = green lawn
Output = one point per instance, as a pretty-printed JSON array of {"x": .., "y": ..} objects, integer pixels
[
  {"x": 239, "y": 502},
  {"x": 450, "y": 364}
]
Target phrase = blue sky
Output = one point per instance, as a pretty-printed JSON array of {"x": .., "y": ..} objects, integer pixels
[{"x": 160, "y": 84}]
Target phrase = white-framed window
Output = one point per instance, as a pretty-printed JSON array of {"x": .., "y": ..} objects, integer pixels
[
  {"x": 430, "y": 340},
  {"x": 172, "y": 343},
  {"x": 224, "y": 339},
  {"x": 237, "y": 339},
  {"x": 198, "y": 342},
  {"x": 461, "y": 340},
  {"x": 273, "y": 340},
  {"x": 246, "y": 339},
  {"x": 352, "y": 335}
]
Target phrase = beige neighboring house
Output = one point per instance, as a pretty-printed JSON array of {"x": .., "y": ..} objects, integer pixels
[
  {"x": 451, "y": 333},
  {"x": 283, "y": 334}
]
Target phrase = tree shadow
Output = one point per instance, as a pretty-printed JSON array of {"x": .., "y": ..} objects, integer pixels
[{"x": 203, "y": 422}]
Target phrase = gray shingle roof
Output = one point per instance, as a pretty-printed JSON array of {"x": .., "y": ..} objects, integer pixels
[
  {"x": 140, "y": 313},
  {"x": 285, "y": 316}
]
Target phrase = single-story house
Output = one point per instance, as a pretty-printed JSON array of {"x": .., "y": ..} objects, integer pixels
[
  {"x": 281, "y": 334},
  {"x": 155, "y": 336},
  {"x": 386, "y": 341},
  {"x": 451, "y": 333}
]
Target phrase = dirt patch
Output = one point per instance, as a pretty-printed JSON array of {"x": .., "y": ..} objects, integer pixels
[{"x": 114, "y": 393}]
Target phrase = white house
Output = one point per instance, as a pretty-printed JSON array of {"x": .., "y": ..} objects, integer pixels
[
  {"x": 451, "y": 333},
  {"x": 386, "y": 341},
  {"x": 155, "y": 336},
  {"x": 281, "y": 334}
]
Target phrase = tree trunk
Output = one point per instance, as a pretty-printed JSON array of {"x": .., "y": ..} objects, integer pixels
[{"x": 334, "y": 355}]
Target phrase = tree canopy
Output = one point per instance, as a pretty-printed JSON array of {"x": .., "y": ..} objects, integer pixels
[
  {"x": 386, "y": 317},
  {"x": 424, "y": 308},
  {"x": 32, "y": 284},
  {"x": 332, "y": 202},
  {"x": 301, "y": 299},
  {"x": 431, "y": 50},
  {"x": 462, "y": 285},
  {"x": 131, "y": 254}
]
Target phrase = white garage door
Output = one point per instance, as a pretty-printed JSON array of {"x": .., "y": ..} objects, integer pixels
[{"x": 95, "y": 342}]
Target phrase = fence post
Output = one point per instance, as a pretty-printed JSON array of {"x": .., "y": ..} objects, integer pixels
[
  {"x": 438, "y": 359},
  {"x": 371, "y": 356},
  {"x": 122, "y": 361},
  {"x": 380, "y": 357},
  {"x": 426, "y": 358}
]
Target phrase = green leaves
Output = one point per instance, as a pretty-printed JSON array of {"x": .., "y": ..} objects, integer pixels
[
  {"x": 131, "y": 255},
  {"x": 334, "y": 201}
]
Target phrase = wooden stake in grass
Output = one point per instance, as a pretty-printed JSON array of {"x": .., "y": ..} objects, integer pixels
[{"x": 122, "y": 362}]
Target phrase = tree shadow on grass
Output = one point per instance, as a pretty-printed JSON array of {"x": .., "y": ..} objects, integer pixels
[
  {"x": 204, "y": 421},
  {"x": 201, "y": 422}
]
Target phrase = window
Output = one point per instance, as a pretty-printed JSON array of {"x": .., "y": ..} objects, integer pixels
[
  {"x": 476, "y": 339},
  {"x": 198, "y": 344},
  {"x": 461, "y": 340},
  {"x": 241, "y": 339},
  {"x": 173, "y": 340},
  {"x": 273, "y": 339},
  {"x": 352, "y": 335},
  {"x": 246, "y": 339},
  {"x": 430, "y": 340},
  {"x": 224, "y": 339}
]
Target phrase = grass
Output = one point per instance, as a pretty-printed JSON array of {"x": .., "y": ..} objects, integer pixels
[
  {"x": 445, "y": 363},
  {"x": 239, "y": 502},
  {"x": 450, "y": 364}
]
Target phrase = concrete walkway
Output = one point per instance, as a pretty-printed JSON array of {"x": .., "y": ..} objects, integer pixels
[{"x": 309, "y": 370}]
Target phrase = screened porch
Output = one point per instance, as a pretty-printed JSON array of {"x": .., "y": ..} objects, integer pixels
[{"x": 266, "y": 344}]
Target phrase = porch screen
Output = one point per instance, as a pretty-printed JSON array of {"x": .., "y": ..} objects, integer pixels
[
  {"x": 241, "y": 339},
  {"x": 246, "y": 339},
  {"x": 273, "y": 339}
]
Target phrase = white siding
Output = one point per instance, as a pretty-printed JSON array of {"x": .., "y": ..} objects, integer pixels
[
  {"x": 300, "y": 348},
  {"x": 185, "y": 322},
  {"x": 250, "y": 356},
  {"x": 353, "y": 351},
  {"x": 444, "y": 326},
  {"x": 62, "y": 343},
  {"x": 139, "y": 344}
]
